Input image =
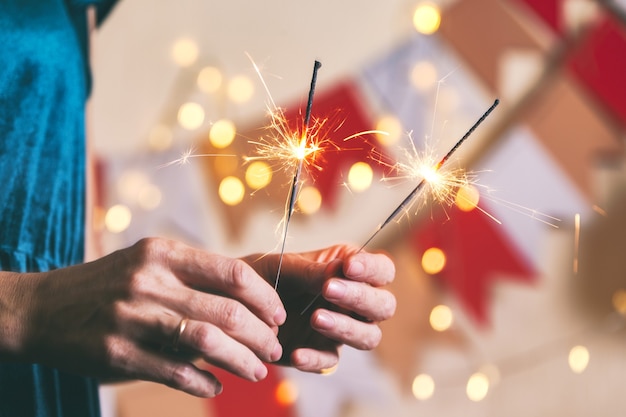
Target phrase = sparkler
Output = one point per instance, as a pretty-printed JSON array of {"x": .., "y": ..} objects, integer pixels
[
  {"x": 301, "y": 152},
  {"x": 429, "y": 175}
]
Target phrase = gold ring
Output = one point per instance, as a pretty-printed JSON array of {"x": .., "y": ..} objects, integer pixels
[{"x": 178, "y": 333}]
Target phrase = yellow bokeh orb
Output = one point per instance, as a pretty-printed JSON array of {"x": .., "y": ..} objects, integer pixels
[
  {"x": 423, "y": 387},
  {"x": 441, "y": 318},
  {"x": 477, "y": 387},
  {"x": 222, "y": 133},
  {"x": 160, "y": 138},
  {"x": 619, "y": 301},
  {"x": 231, "y": 191},
  {"x": 209, "y": 79},
  {"x": 117, "y": 218},
  {"x": 467, "y": 198},
  {"x": 286, "y": 392},
  {"x": 240, "y": 89},
  {"x": 309, "y": 200},
  {"x": 424, "y": 76},
  {"x": 258, "y": 175},
  {"x": 578, "y": 359},
  {"x": 392, "y": 126},
  {"x": 185, "y": 52},
  {"x": 360, "y": 176},
  {"x": 427, "y": 18},
  {"x": 191, "y": 115},
  {"x": 149, "y": 197},
  {"x": 433, "y": 261}
]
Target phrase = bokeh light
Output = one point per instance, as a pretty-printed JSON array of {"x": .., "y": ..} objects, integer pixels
[
  {"x": 423, "y": 387},
  {"x": 160, "y": 138},
  {"x": 331, "y": 370},
  {"x": 433, "y": 261},
  {"x": 360, "y": 176},
  {"x": 231, "y": 191},
  {"x": 578, "y": 359},
  {"x": 426, "y": 18},
  {"x": 286, "y": 392},
  {"x": 424, "y": 76},
  {"x": 130, "y": 183},
  {"x": 185, "y": 52},
  {"x": 619, "y": 301},
  {"x": 149, "y": 197},
  {"x": 309, "y": 200},
  {"x": 258, "y": 175},
  {"x": 222, "y": 133},
  {"x": 240, "y": 89},
  {"x": 191, "y": 115},
  {"x": 209, "y": 79},
  {"x": 441, "y": 318},
  {"x": 392, "y": 126},
  {"x": 117, "y": 218},
  {"x": 467, "y": 198},
  {"x": 477, "y": 387}
]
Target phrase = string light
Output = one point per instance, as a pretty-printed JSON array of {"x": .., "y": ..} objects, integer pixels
[
  {"x": 309, "y": 200},
  {"x": 426, "y": 18},
  {"x": 240, "y": 89},
  {"x": 423, "y": 387},
  {"x": 258, "y": 175},
  {"x": 185, "y": 52},
  {"x": 433, "y": 261},
  {"x": 441, "y": 318},
  {"x": 392, "y": 126},
  {"x": 424, "y": 76},
  {"x": 477, "y": 387},
  {"x": 117, "y": 218},
  {"x": 222, "y": 133},
  {"x": 209, "y": 79},
  {"x": 191, "y": 115},
  {"x": 231, "y": 191},
  {"x": 286, "y": 393},
  {"x": 360, "y": 176},
  {"x": 578, "y": 359}
]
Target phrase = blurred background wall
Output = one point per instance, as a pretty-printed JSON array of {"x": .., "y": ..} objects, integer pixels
[{"x": 511, "y": 299}]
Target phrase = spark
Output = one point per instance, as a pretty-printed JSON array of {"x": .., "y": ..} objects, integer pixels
[
  {"x": 188, "y": 154},
  {"x": 576, "y": 241}
]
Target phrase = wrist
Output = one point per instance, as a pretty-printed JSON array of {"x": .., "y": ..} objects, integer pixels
[{"x": 16, "y": 298}]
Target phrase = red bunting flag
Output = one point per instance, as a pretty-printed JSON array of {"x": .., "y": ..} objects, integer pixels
[{"x": 477, "y": 253}]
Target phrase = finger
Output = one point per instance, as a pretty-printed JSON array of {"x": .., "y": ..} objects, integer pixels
[
  {"x": 219, "y": 349},
  {"x": 214, "y": 273},
  {"x": 311, "y": 360},
  {"x": 346, "y": 330},
  {"x": 375, "y": 269},
  {"x": 138, "y": 363},
  {"x": 375, "y": 304}
]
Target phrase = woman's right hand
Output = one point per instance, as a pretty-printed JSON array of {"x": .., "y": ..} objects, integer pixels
[{"x": 116, "y": 317}]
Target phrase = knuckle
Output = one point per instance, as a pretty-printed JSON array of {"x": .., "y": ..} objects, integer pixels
[
  {"x": 204, "y": 338},
  {"x": 239, "y": 274},
  {"x": 372, "y": 339},
  {"x": 231, "y": 315},
  {"x": 181, "y": 376}
]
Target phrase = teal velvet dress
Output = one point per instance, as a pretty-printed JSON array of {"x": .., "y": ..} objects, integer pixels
[{"x": 44, "y": 82}]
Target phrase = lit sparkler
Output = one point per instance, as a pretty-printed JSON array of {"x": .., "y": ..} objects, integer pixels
[
  {"x": 189, "y": 154},
  {"x": 430, "y": 175}
]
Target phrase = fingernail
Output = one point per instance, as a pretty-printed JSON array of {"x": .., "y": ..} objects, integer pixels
[
  {"x": 277, "y": 352},
  {"x": 336, "y": 289},
  {"x": 260, "y": 372},
  {"x": 324, "y": 321},
  {"x": 219, "y": 389},
  {"x": 355, "y": 269},
  {"x": 280, "y": 315}
]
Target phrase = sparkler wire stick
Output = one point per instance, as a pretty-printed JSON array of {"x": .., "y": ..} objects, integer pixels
[
  {"x": 419, "y": 186},
  {"x": 293, "y": 193}
]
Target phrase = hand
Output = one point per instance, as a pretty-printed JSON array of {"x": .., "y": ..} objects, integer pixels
[
  {"x": 350, "y": 306},
  {"x": 117, "y": 317}
]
